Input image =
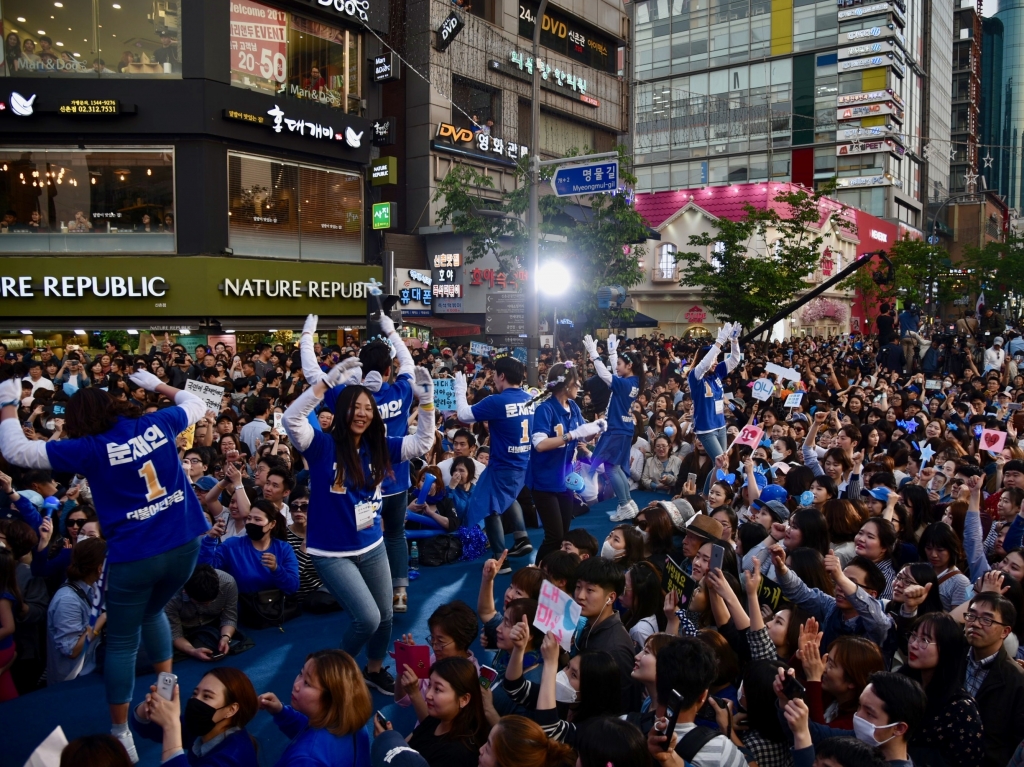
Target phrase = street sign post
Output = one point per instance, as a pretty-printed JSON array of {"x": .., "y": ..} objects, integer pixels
[{"x": 591, "y": 178}]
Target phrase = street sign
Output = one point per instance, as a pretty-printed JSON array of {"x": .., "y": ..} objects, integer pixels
[
  {"x": 506, "y": 303},
  {"x": 505, "y": 324},
  {"x": 586, "y": 179},
  {"x": 507, "y": 341},
  {"x": 382, "y": 215}
]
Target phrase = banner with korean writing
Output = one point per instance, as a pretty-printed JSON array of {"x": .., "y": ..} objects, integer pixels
[
  {"x": 769, "y": 593},
  {"x": 444, "y": 395},
  {"x": 259, "y": 44},
  {"x": 208, "y": 393},
  {"x": 480, "y": 349},
  {"x": 557, "y": 613}
]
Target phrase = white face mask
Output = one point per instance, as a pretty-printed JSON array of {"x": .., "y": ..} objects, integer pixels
[
  {"x": 865, "y": 731},
  {"x": 777, "y": 456},
  {"x": 81, "y": 537},
  {"x": 564, "y": 692},
  {"x": 608, "y": 551}
]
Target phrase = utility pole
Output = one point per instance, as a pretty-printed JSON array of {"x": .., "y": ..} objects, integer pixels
[{"x": 533, "y": 288}]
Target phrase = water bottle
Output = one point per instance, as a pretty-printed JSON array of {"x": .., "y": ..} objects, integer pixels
[{"x": 414, "y": 562}]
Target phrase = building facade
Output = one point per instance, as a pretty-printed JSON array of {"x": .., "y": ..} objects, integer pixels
[
  {"x": 965, "y": 117},
  {"x": 990, "y": 117},
  {"x": 771, "y": 90},
  {"x": 678, "y": 215},
  {"x": 184, "y": 165},
  {"x": 1011, "y": 106}
]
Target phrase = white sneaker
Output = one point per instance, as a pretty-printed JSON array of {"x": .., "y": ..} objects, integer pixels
[
  {"x": 636, "y": 509},
  {"x": 623, "y": 512},
  {"x": 129, "y": 745}
]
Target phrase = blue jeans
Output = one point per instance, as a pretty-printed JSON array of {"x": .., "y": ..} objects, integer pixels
[
  {"x": 619, "y": 482},
  {"x": 496, "y": 530},
  {"x": 715, "y": 444},
  {"x": 136, "y": 595},
  {"x": 393, "y": 516},
  {"x": 362, "y": 586}
]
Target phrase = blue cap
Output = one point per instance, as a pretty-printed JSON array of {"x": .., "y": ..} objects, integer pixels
[
  {"x": 760, "y": 479},
  {"x": 774, "y": 493},
  {"x": 880, "y": 494},
  {"x": 206, "y": 484}
]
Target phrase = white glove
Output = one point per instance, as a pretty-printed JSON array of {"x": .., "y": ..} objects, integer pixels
[
  {"x": 348, "y": 372},
  {"x": 723, "y": 334},
  {"x": 588, "y": 430},
  {"x": 460, "y": 386},
  {"x": 387, "y": 325},
  {"x": 591, "y": 346},
  {"x": 423, "y": 385},
  {"x": 612, "y": 343},
  {"x": 737, "y": 328},
  {"x": 10, "y": 391},
  {"x": 145, "y": 379},
  {"x": 310, "y": 326}
]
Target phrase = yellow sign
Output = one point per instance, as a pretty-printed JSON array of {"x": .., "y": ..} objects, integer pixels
[
  {"x": 444, "y": 130},
  {"x": 245, "y": 117},
  {"x": 91, "y": 107}
]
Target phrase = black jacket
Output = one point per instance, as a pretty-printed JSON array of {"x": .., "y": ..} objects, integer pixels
[
  {"x": 611, "y": 636},
  {"x": 1001, "y": 705}
]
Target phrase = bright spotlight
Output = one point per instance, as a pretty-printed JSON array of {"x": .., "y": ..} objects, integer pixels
[{"x": 553, "y": 278}]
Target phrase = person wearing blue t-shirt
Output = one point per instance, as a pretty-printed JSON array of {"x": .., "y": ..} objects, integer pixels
[
  {"x": 509, "y": 416},
  {"x": 147, "y": 508},
  {"x": 705, "y": 381},
  {"x": 557, "y": 426},
  {"x": 394, "y": 400},
  {"x": 343, "y": 528},
  {"x": 260, "y": 560},
  {"x": 612, "y": 450}
]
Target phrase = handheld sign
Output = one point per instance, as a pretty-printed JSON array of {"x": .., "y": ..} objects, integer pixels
[
  {"x": 769, "y": 593},
  {"x": 444, "y": 394},
  {"x": 763, "y": 389},
  {"x": 788, "y": 374},
  {"x": 992, "y": 440},
  {"x": 208, "y": 393},
  {"x": 793, "y": 400},
  {"x": 674, "y": 578},
  {"x": 557, "y": 613},
  {"x": 477, "y": 348},
  {"x": 749, "y": 436}
]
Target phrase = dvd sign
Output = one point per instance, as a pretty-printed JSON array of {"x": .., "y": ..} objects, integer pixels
[{"x": 449, "y": 30}]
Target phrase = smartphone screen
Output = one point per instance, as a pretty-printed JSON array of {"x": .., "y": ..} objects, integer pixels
[{"x": 717, "y": 556}]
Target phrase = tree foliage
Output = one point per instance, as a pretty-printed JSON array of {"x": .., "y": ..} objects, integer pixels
[
  {"x": 597, "y": 251},
  {"x": 920, "y": 276},
  {"x": 746, "y": 286},
  {"x": 996, "y": 268}
]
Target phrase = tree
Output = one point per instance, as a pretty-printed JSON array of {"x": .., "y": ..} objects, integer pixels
[
  {"x": 604, "y": 243},
  {"x": 745, "y": 287},
  {"x": 996, "y": 268},
  {"x": 920, "y": 276}
]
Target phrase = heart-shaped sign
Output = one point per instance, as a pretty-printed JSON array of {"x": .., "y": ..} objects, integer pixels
[{"x": 990, "y": 439}]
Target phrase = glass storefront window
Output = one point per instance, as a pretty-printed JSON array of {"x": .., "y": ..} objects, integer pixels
[
  {"x": 87, "y": 200},
  {"x": 283, "y": 54},
  {"x": 285, "y": 210},
  {"x": 82, "y": 38}
]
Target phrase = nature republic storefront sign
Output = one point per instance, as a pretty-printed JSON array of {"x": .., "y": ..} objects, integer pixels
[{"x": 180, "y": 287}]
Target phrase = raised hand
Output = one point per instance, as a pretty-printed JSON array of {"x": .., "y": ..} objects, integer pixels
[
  {"x": 492, "y": 566},
  {"x": 460, "y": 386},
  {"x": 520, "y": 634},
  {"x": 270, "y": 703},
  {"x": 423, "y": 386},
  {"x": 588, "y": 343},
  {"x": 778, "y": 559},
  {"x": 993, "y": 581},
  {"x": 309, "y": 327},
  {"x": 387, "y": 325},
  {"x": 348, "y": 372},
  {"x": 143, "y": 378},
  {"x": 549, "y": 648},
  {"x": 914, "y": 596},
  {"x": 612, "y": 343},
  {"x": 588, "y": 430},
  {"x": 832, "y": 565},
  {"x": 753, "y": 579},
  {"x": 723, "y": 333}
]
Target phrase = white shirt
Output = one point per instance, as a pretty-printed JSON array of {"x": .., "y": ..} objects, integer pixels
[
  {"x": 446, "y": 470},
  {"x": 42, "y": 383}
]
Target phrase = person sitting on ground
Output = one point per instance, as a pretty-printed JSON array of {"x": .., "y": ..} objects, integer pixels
[{"x": 204, "y": 615}]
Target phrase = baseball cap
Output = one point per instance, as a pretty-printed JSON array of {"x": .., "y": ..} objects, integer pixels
[
  {"x": 880, "y": 494},
  {"x": 774, "y": 493},
  {"x": 679, "y": 511},
  {"x": 704, "y": 527},
  {"x": 997, "y": 341},
  {"x": 778, "y": 510},
  {"x": 760, "y": 479}
]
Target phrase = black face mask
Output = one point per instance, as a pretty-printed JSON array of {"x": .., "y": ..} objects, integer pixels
[
  {"x": 199, "y": 717},
  {"x": 254, "y": 531}
]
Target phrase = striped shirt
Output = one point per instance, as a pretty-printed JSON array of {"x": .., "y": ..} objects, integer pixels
[{"x": 718, "y": 752}]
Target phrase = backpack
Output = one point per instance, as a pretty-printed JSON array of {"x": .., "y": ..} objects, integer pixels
[
  {"x": 694, "y": 741},
  {"x": 440, "y": 550}
]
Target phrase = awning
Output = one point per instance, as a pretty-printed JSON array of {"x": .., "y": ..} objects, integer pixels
[
  {"x": 639, "y": 321},
  {"x": 443, "y": 327}
]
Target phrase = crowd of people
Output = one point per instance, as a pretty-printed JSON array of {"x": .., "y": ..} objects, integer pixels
[{"x": 833, "y": 581}]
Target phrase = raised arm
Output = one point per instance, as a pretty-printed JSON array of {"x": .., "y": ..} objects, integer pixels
[
  {"x": 711, "y": 357},
  {"x": 734, "y": 347},
  {"x": 296, "y": 420},
  {"x": 419, "y": 443},
  {"x": 464, "y": 411},
  {"x": 406, "y": 366},
  {"x": 14, "y": 445},
  {"x": 602, "y": 372},
  {"x": 310, "y": 369}
]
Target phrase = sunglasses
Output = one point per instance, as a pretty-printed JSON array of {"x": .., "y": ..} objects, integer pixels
[
  {"x": 299, "y": 505},
  {"x": 76, "y": 522}
]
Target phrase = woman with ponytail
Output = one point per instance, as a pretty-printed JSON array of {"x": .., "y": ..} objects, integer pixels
[
  {"x": 613, "y": 450},
  {"x": 520, "y": 742},
  {"x": 557, "y": 426}
]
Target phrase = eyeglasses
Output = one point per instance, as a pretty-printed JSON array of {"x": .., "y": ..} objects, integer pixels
[
  {"x": 438, "y": 645},
  {"x": 905, "y": 579},
  {"x": 193, "y": 460},
  {"x": 957, "y": 481},
  {"x": 984, "y": 621},
  {"x": 299, "y": 505},
  {"x": 920, "y": 641}
]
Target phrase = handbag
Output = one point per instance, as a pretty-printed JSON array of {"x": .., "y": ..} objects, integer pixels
[{"x": 266, "y": 609}]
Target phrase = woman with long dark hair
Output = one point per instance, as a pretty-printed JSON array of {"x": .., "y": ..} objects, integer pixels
[
  {"x": 151, "y": 517},
  {"x": 558, "y": 425},
  {"x": 343, "y": 528},
  {"x": 643, "y": 602},
  {"x": 612, "y": 452}
]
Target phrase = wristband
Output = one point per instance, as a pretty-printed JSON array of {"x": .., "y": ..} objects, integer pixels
[{"x": 426, "y": 406}]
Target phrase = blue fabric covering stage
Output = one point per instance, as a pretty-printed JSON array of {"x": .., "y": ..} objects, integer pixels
[{"x": 79, "y": 707}]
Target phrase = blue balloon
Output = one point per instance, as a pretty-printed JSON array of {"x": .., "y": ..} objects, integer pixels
[{"x": 574, "y": 482}]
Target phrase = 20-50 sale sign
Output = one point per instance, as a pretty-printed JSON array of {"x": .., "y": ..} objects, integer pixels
[{"x": 259, "y": 40}]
